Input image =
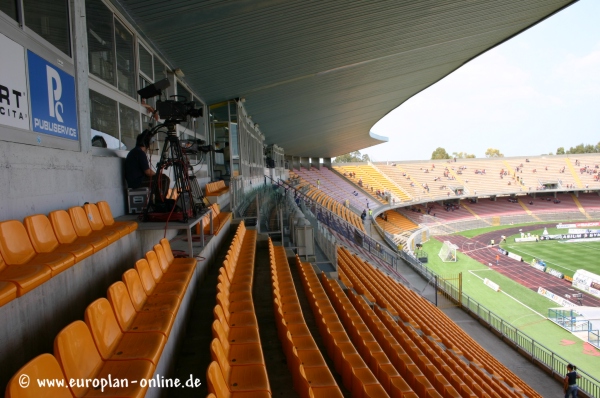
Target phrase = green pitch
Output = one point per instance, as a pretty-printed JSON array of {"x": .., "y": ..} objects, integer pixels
[
  {"x": 564, "y": 257},
  {"x": 516, "y": 304}
]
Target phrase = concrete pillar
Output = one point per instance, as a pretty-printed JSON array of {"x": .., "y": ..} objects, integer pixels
[
  {"x": 296, "y": 162},
  {"x": 305, "y": 162},
  {"x": 316, "y": 163},
  {"x": 555, "y": 194},
  {"x": 327, "y": 163},
  {"x": 82, "y": 88},
  {"x": 290, "y": 161}
]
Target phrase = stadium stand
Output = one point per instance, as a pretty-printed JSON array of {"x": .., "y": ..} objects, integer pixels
[
  {"x": 356, "y": 375},
  {"x": 336, "y": 187},
  {"x": 39, "y": 250},
  {"x": 423, "y": 327},
  {"x": 123, "y": 337},
  {"x": 372, "y": 180},
  {"x": 329, "y": 203},
  {"x": 237, "y": 369},
  {"x": 424, "y": 181},
  {"x": 366, "y": 344},
  {"x": 310, "y": 372}
]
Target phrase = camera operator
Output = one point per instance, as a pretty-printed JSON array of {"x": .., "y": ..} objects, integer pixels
[{"x": 137, "y": 170}]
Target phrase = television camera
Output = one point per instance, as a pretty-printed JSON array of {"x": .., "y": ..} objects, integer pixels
[{"x": 189, "y": 199}]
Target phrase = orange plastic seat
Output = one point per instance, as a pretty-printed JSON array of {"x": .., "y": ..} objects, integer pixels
[
  {"x": 137, "y": 322},
  {"x": 240, "y": 378},
  {"x": 186, "y": 268},
  {"x": 218, "y": 386},
  {"x": 44, "y": 239},
  {"x": 66, "y": 233},
  {"x": 141, "y": 302},
  {"x": 152, "y": 288},
  {"x": 239, "y": 335},
  {"x": 79, "y": 359},
  {"x": 240, "y": 306},
  {"x": 93, "y": 216},
  {"x": 23, "y": 277},
  {"x": 83, "y": 229},
  {"x": 238, "y": 354},
  {"x": 8, "y": 292},
  {"x": 42, "y": 367},
  {"x": 191, "y": 262},
  {"x": 16, "y": 249},
  {"x": 162, "y": 276},
  {"x": 113, "y": 344},
  {"x": 108, "y": 220}
]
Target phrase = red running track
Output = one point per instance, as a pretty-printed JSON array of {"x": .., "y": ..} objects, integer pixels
[{"x": 521, "y": 272}]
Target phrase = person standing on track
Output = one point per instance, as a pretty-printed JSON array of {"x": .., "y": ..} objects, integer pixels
[
  {"x": 497, "y": 259},
  {"x": 570, "y": 382}
]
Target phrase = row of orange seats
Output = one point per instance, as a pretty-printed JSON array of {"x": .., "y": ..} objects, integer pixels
[
  {"x": 238, "y": 368},
  {"x": 356, "y": 375},
  {"x": 435, "y": 336},
  {"x": 42, "y": 247},
  {"x": 122, "y": 338},
  {"x": 334, "y": 206},
  {"x": 423, "y": 356},
  {"x": 312, "y": 377},
  {"x": 219, "y": 219},
  {"x": 366, "y": 344}
]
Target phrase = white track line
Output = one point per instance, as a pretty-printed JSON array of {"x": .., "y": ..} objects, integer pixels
[{"x": 502, "y": 291}]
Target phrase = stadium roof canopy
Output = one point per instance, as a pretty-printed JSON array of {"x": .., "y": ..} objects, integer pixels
[{"x": 317, "y": 75}]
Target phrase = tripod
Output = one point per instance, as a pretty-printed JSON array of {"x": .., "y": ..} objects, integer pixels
[{"x": 159, "y": 207}]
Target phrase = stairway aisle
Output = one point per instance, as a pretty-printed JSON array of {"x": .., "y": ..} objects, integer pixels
[
  {"x": 193, "y": 356},
  {"x": 280, "y": 377},
  {"x": 309, "y": 318}
]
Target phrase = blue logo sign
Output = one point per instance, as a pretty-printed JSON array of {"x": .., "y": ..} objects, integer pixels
[{"x": 52, "y": 96}]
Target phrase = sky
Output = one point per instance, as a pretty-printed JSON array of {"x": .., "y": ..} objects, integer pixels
[{"x": 526, "y": 97}]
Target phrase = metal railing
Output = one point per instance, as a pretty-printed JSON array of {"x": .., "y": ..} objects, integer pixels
[{"x": 346, "y": 229}]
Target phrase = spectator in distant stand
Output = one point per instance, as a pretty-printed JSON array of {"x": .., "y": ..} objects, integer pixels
[{"x": 318, "y": 183}]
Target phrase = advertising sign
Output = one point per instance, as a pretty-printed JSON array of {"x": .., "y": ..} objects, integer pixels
[
  {"x": 515, "y": 256},
  {"x": 492, "y": 285},
  {"x": 554, "y": 272},
  {"x": 557, "y": 299},
  {"x": 14, "y": 104},
  {"x": 570, "y": 236},
  {"x": 53, "y": 109},
  {"x": 579, "y": 225}
]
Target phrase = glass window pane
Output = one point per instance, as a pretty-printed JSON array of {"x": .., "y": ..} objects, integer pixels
[
  {"x": 160, "y": 70},
  {"x": 100, "y": 40},
  {"x": 145, "y": 62},
  {"x": 49, "y": 19},
  {"x": 130, "y": 125},
  {"x": 103, "y": 115},
  {"x": 182, "y": 93},
  {"x": 235, "y": 150},
  {"x": 125, "y": 60},
  {"x": 9, "y": 7}
]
